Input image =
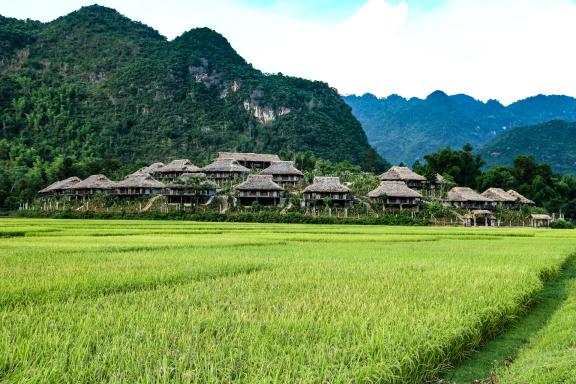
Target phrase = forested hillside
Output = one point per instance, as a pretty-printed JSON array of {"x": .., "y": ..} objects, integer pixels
[
  {"x": 553, "y": 143},
  {"x": 94, "y": 91},
  {"x": 403, "y": 130}
]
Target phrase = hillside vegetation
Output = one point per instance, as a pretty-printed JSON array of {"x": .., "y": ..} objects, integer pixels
[
  {"x": 553, "y": 143},
  {"x": 403, "y": 130},
  {"x": 100, "y": 91}
]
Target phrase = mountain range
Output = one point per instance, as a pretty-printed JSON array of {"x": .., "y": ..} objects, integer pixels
[
  {"x": 404, "y": 130},
  {"x": 95, "y": 84}
]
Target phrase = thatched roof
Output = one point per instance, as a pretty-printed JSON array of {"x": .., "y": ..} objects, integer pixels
[
  {"x": 465, "y": 194},
  {"x": 498, "y": 194},
  {"x": 539, "y": 216},
  {"x": 61, "y": 185},
  {"x": 401, "y": 174},
  {"x": 259, "y": 183},
  {"x": 326, "y": 184},
  {"x": 148, "y": 169},
  {"x": 393, "y": 189},
  {"x": 520, "y": 198},
  {"x": 225, "y": 165},
  {"x": 140, "y": 181},
  {"x": 239, "y": 156},
  {"x": 95, "y": 182},
  {"x": 178, "y": 166},
  {"x": 281, "y": 168}
]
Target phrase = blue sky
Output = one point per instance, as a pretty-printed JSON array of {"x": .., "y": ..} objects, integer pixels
[{"x": 503, "y": 49}]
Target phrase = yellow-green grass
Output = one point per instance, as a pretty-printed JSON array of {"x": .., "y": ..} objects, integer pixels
[{"x": 152, "y": 301}]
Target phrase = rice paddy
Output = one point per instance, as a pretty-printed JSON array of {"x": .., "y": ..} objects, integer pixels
[{"x": 151, "y": 301}]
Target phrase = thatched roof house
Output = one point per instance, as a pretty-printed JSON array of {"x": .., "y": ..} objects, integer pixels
[
  {"x": 405, "y": 174},
  {"x": 259, "y": 183},
  {"x": 174, "y": 169},
  {"x": 395, "y": 194},
  {"x": 327, "y": 187},
  {"x": 259, "y": 188},
  {"x": 250, "y": 160},
  {"x": 520, "y": 198},
  {"x": 284, "y": 172},
  {"x": 394, "y": 189},
  {"x": 539, "y": 220},
  {"x": 464, "y": 197},
  {"x": 92, "y": 185},
  {"x": 60, "y": 187},
  {"x": 224, "y": 170},
  {"x": 500, "y": 196},
  {"x": 139, "y": 185}
]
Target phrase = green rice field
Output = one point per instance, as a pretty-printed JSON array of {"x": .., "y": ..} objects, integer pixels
[{"x": 168, "y": 301}]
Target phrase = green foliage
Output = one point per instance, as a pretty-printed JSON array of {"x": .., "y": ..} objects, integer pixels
[
  {"x": 463, "y": 167},
  {"x": 110, "y": 94},
  {"x": 553, "y": 143},
  {"x": 562, "y": 224}
]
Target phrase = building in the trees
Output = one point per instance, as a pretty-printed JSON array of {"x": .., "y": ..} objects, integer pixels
[
  {"x": 539, "y": 220},
  {"x": 405, "y": 174},
  {"x": 190, "y": 189},
  {"x": 224, "y": 171},
  {"x": 139, "y": 185},
  {"x": 250, "y": 160},
  {"x": 60, "y": 188},
  {"x": 261, "y": 189},
  {"x": 520, "y": 198},
  {"x": 502, "y": 198},
  {"x": 327, "y": 189},
  {"x": 93, "y": 185},
  {"x": 175, "y": 169},
  {"x": 396, "y": 195},
  {"x": 284, "y": 173},
  {"x": 467, "y": 198}
]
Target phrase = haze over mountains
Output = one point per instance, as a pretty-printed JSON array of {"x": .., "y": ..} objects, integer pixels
[{"x": 404, "y": 130}]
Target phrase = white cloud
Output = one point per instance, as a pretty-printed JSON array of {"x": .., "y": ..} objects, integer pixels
[{"x": 505, "y": 49}]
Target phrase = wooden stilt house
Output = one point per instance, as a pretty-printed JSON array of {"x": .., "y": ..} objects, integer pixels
[
  {"x": 225, "y": 171},
  {"x": 405, "y": 174},
  {"x": 327, "y": 189},
  {"x": 175, "y": 169},
  {"x": 139, "y": 185},
  {"x": 261, "y": 189},
  {"x": 502, "y": 198},
  {"x": 467, "y": 198},
  {"x": 396, "y": 195},
  {"x": 93, "y": 185},
  {"x": 284, "y": 173}
]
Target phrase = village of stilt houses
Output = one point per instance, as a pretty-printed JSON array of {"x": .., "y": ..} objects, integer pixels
[{"x": 248, "y": 182}]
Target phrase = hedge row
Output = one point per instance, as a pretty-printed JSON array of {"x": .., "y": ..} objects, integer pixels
[{"x": 259, "y": 217}]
